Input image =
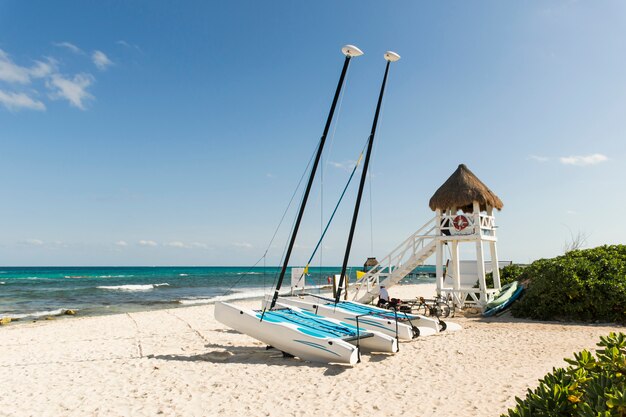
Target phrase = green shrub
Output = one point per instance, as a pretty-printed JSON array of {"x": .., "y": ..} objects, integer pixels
[
  {"x": 589, "y": 387},
  {"x": 582, "y": 285},
  {"x": 508, "y": 274}
]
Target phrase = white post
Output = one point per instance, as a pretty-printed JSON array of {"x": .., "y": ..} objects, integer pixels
[
  {"x": 480, "y": 268},
  {"x": 455, "y": 265},
  {"x": 476, "y": 215},
  {"x": 439, "y": 253},
  {"x": 494, "y": 266}
]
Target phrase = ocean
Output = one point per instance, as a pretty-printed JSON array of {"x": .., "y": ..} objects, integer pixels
[{"x": 36, "y": 292}]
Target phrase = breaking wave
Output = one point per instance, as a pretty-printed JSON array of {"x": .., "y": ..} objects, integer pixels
[
  {"x": 133, "y": 287},
  {"x": 236, "y": 296},
  {"x": 45, "y": 313}
]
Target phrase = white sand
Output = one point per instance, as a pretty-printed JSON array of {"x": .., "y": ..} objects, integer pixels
[{"x": 182, "y": 362}]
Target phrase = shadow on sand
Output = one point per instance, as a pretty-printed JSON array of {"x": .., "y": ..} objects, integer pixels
[{"x": 257, "y": 355}]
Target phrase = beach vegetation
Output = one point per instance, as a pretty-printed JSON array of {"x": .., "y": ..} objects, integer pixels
[
  {"x": 589, "y": 386},
  {"x": 508, "y": 274},
  {"x": 581, "y": 285}
]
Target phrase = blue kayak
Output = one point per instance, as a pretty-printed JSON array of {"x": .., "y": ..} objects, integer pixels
[{"x": 504, "y": 300}]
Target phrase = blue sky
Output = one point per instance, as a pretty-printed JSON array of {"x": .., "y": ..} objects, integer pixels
[{"x": 168, "y": 133}]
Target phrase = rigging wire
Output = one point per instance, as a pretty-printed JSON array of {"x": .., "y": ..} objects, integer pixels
[
  {"x": 319, "y": 242},
  {"x": 371, "y": 178},
  {"x": 262, "y": 258}
]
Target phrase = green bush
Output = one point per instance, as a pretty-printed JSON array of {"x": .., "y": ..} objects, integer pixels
[
  {"x": 582, "y": 285},
  {"x": 508, "y": 274},
  {"x": 589, "y": 387}
]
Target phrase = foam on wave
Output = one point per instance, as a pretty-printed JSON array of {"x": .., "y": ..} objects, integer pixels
[
  {"x": 133, "y": 287},
  {"x": 45, "y": 313}
]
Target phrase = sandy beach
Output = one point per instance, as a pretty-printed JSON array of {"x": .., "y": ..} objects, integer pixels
[{"x": 182, "y": 362}]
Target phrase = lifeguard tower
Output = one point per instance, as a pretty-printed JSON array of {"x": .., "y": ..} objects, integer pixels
[{"x": 464, "y": 208}]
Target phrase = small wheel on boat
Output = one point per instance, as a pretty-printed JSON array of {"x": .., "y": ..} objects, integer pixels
[
  {"x": 416, "y": 332},
  {"x": 443, "y": 326}
]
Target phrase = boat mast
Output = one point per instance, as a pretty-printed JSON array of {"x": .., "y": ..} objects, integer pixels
[
  {"x": 349, "y": 51},
  {"x": 389, "y": 57}
]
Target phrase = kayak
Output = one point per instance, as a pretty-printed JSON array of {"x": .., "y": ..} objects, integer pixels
[{"x": 504, "y": 299}]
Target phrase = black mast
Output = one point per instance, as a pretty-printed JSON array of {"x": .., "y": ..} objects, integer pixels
[
  {"x": 349, "y": 51},
  {"x": 389, "y": 57}
]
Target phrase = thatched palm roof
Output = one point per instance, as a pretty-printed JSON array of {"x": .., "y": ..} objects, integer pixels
[{"x": 461, "y": 190}]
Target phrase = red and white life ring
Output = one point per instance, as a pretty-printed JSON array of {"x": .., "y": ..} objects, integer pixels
[{"x": 460, "y": 222}]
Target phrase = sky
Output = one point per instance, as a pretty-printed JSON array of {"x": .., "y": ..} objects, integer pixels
[{"x": 168, "y": 133}]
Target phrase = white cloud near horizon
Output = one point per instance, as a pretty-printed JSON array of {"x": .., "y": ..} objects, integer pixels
[
  {"x": 32, "y": 242},
  {"x": 100, "y": 60},
  {"x": 73, "y": 90},
  {"x": 17, "y": 101},
  {"x": 200, "y": 245},
  {"x": 177, "y": 244},
  {"x": 69, "y": 46},
  {"x": 583, "y": 160},
  {"x": 184, "y": 245},
  {"x": 150, "y": 243},
  {"x": 121, "y": 243},
  {"x": 243, "y": 245}
]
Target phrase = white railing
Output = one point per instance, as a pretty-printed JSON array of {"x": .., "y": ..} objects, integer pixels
[
  {"x": 465, "y": 224},
  {"x": 399, "y": 263}
]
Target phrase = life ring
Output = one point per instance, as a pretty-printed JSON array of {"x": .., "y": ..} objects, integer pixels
[{"x": 460, "y": 222}]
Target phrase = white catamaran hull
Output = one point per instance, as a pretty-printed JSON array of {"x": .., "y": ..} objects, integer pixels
[
  {"x": 426, "y": 326},
  {"x": 375, "y": 342},
  {"x": 299, "y": 341}
]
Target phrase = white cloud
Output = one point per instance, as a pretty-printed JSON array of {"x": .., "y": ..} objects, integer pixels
[
  {"x": 18, "y": 101},
  {"x": 121, "y": 243},
  {"x": 539, "y": 158},
  {"x": 43, "y": 69},
  {"x": 150, "y": 243},
  {"x": 32, "y": 242},
  {"x": 200, "y": 245},
  {"x": 73, "y": 90},
  {"x": 346, "y": 166},
  {"x": 585, "y": 160},
  {"x": 128, "y": 45},
  {"x": 100, "y": 60},
  {"x": 69, "y": 46},
  {"x": 13, "y": 73},
  {"x": 183, "y": 245},
  {"x": 243, "y": 244},
  {"x": 177, "y": 244}
]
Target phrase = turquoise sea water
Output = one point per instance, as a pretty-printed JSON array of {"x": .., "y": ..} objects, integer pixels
[{"x": 31, "y": 292}]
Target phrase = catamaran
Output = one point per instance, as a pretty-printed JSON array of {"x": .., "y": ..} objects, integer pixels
[
  {"x": 402, "y": 325},
  {"x": 295, "y": 331}
]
